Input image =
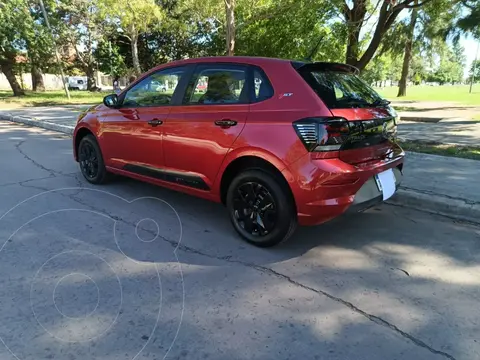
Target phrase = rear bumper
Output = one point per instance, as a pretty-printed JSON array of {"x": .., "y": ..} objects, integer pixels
[
  {"x": 369, "y": 195},
  {"x": 325, "y": 189}
]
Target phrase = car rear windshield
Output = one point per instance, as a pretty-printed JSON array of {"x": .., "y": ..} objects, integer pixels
[{"x": 340, "y": 89}]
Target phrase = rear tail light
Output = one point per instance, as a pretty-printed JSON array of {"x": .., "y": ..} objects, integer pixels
[
  {"x": 335, "y": 133},
  {"x": 322, "y": 134}
]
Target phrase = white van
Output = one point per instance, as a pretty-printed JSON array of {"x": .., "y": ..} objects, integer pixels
[{"x": 77, "y": 82}]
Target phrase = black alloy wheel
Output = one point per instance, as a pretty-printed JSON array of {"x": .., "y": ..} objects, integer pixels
[
  {"x": 88, "y": 160},
  {"x": 255, "y": 209},
  {"x": 91, "y": 160},
  {"x": 261, "y": 208}
]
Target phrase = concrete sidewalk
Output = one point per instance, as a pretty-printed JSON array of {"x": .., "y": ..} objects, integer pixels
[
  {"x": 57, "y": 118},
  {"x": 441, "y": 185},
  {"x": 436, "y": 184},
  {"x": 434, "y": 111}
]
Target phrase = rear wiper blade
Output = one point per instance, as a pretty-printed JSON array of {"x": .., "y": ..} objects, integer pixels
[
  {"x": 358, "y": 102},
  {"x": 380, "y": 102}
]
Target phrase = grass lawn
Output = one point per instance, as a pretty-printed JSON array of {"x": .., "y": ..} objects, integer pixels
[
  {"x": 49, "y": 98},
  {"x": 458, "y": 93},
  {"x": 466, "y": 152}
]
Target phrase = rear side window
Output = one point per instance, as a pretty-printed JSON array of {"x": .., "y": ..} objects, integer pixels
[
  {"x": 263, "y": 87},
  {"x": 339, "y": 89},
  {"x": 217, "y": 84}
]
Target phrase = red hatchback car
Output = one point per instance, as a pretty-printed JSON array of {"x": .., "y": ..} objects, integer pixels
[{"x": 279, "y": 142}]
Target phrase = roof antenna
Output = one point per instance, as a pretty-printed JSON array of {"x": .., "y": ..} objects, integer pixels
[{"x": 314, "y": 50}]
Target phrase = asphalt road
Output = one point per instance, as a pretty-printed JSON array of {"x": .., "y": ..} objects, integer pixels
[{"x": 132, "y": 271}]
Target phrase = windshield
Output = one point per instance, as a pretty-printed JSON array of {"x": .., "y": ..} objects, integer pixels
[{"x": 341, "y": 89}]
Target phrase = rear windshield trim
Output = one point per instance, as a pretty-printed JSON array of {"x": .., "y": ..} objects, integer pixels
[{"x": 325, "y": 66}]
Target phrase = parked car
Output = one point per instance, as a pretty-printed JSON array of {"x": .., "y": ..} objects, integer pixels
[
  {"x": 159, "y": 86},
  {"x": 299, "y": 143}
]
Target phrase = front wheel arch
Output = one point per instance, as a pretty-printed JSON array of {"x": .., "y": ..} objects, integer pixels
[{"x": 79, "y": 135}]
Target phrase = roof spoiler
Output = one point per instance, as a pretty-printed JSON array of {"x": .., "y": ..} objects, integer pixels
[{"x": 325, "y": 66}]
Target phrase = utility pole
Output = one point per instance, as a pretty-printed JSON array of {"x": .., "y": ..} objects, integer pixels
[
  {"x": 474, "y": 67},
  {"x": 65, "y": 86},
  {"x": 111, "y": 62}
]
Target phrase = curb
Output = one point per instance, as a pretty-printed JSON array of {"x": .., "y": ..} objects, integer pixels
[
  {"x": 459, "y": 209},
  {"x": 420, "y": 119},
  {"x": 38, "y": 123},
  {"x": 432, "y": 203}
]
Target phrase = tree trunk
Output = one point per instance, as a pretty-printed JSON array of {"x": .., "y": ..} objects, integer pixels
[
  {"x": 134, "y": 45},
  {"x": 354, "y": 19},
  {"x": 230, "y": 22},
  {"x": 402, "y": 85},
  {"x": 37, "y": 79},
  {"x": 91, "y": 83},
  {"x": 7, "y": 68}
]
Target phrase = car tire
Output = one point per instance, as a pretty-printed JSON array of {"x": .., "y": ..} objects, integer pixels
[
  {"x": 261, "y": 209},
  {"x": 91, "y": 161}
]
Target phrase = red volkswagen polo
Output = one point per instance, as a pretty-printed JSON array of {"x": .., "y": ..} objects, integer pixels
[{"x": 279, "y": 142}]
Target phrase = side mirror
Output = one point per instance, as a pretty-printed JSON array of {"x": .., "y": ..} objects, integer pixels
[{"x": 111, "y": 100}]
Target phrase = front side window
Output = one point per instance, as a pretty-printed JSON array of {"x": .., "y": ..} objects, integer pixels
[
  {"x": 155, "y": 90},
  {"x": 341, "y": 89},
  {"x": 218, "y": 84}
]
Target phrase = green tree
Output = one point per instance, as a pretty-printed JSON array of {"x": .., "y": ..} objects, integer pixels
[
  {"x": 268, "y": 30},
  {"x": 109, "y": 59},
  {"x": 357, "y": 13},
  {"x": 39, "y": 44},
  {"x": 377, "y": 70},
  {"x": 82, "y": 30},
  {"x": 450, "y": 65},
  {"x": 418, "y": 69},
  {"x": 471, "y": 21},
  {"x": 475, "y": 70},
  {"x": 133, "y": 18},
  {"x": 402, "y": 85},
  {"x": 13, "y": 16}
]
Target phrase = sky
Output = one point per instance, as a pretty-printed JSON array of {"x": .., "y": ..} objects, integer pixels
[{"x": 470, "y": 46}]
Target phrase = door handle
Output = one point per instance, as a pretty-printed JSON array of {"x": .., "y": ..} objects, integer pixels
[
  {"x": 225, "y": 123},
  {"x": 155, "y": 122}
]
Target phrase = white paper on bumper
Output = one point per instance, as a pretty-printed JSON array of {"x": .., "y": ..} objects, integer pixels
[{"x": 387, "y": 179}]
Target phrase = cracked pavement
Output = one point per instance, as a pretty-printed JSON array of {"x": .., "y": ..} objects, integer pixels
[{"x": 85, "y": 274}]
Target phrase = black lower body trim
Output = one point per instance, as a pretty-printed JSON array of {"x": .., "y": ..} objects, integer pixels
[
  {"x": 359, "y": 207},
  {"x": 192, "y": 181}
]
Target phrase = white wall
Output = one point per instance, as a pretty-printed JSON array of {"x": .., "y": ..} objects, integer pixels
[{"x": 51, "y": 81}]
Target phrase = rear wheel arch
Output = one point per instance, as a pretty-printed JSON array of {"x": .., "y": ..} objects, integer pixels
[{"x": 249, "y": 162}]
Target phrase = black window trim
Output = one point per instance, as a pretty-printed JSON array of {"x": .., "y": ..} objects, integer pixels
[
  {"x": 193, "y": 76},
  {"x": 175, "y": 96},
  {"x": 325, "y": 66}
]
